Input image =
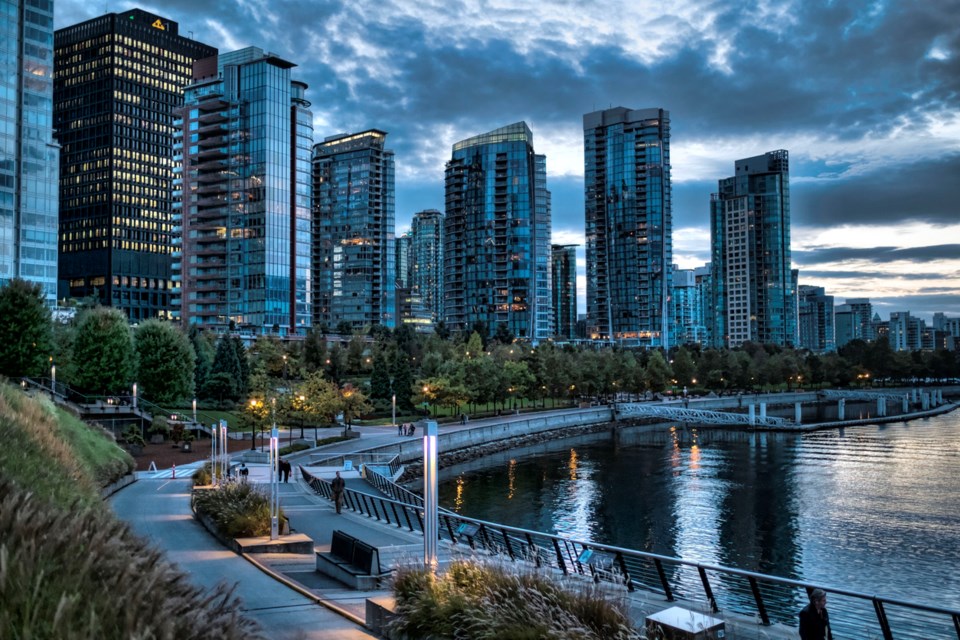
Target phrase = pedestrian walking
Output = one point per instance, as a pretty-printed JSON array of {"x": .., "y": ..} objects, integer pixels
[
  {"x": 814, "y": 619},
  {"x": 399, "y": 429},
  {"x": 243, "y": 472},
  {"x": 413, "y": 428},
  {"x": 338, "y": 485},
  {"x": 285, "y": 469}
]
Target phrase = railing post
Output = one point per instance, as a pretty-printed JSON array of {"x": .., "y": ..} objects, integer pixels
[
  {"x": 956, "y": 624},
  {"x": 707, "y": 590},
  {"x": 533, "y": 548},
  {"x": 882, "y": 619},
  {"x": 506, "y": 543},
  {"x": 761, "y": 608},
  {"x": 626, "y": 572},
  {"x": 560, "y": 562},
  {"x": 667, "y": 591}
]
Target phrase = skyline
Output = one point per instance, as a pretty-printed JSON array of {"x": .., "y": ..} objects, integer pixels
[{"x": 863, "y": 96}]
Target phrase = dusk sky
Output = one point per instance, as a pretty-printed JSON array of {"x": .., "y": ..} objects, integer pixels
[{"x": 864, "y": 95}]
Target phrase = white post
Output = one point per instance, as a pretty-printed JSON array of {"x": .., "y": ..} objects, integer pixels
[
  {"x": 752, "y": 412},
  {"x": 194, "y": 409},
  {"x": 393, "y": 419},
  {"x": 224, "y": 461},
  {"x": 430, "y": 490},
  {"x": 798, "y": 413},
  {"x": 881, "y": 407},
  {"x": 763, "y": 410},
  {"x": 53, "y": 378},
  {"x": 214, "y": 468},
  {"x": 906, "y": 403},
  {"x": 134, "y": 395},
  {"x": 274, "y": 483},
  {"x": 925, "y": 400},
  {"x": 841, "y": 409}
]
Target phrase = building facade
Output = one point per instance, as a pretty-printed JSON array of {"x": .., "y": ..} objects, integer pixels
[
  {"x": 354, "y": 257},
  {"x": 496, "y": 244},
  {"x": 242, "y": 236},
  {"x": 753, "y": 294},
  {"x": 853, "y": 320},
  {"x": 628, "y": 225},
  {"x": 427, "y": 262},
  {"x": 29, "y": 161},
  {"x": 816, "y": 319},
  {"x": 687, "y": 307},
  {"x": 119, "y": 83},
  {"x": 565, "y": 291}
]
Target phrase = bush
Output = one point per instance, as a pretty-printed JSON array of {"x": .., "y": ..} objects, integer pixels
[
  {"x": 238, "y": 509},
  {"x": 293, "y": 448},
  {"x": 482, "y": 601},
  {"x": 79, "y": 573}
]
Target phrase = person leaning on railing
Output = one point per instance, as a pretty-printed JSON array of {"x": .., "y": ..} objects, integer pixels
[{"x": 814, "y": 619}]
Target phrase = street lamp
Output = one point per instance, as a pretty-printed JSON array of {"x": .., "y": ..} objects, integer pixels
[
  {"x": 426, "y": 403},
  {"x": 430, "y": 491},
  {"x": 134, "y": 396},
  {"x": 284, "y": 367},
  {"x": 254, "y": 404},
  {"x": 194, "y": 409},
  {"x": 393, "y": 410},
  {"x": 274, "y": 480},
  {"x": 53, "y": 378}
]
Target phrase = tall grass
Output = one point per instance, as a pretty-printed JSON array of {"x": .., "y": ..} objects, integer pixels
[
  {"x": 238, "y": 509},
  {"x": 483, "y": 601},
  {"x": 79, "y": 573}
]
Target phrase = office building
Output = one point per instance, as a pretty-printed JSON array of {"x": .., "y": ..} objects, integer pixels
[
  {"x": 906, "y": 332},
  {"x": 427, "y": 261},
  {"x": 628, "y": 225},
  {"x": 816, "y": 319},
  {"x": 754, "y": 294},
  {"x": 353, "y": 202},
  {"x": 29, "y": 160},
  {"x": 119, "y": 83},
  {"x": 242, "y": 241},
  {"x": 686, "y": 305},
  {"x": 496, "y": 244},
  {"x": 565, "y": 291},
  {"x": 853, "y": 320}
]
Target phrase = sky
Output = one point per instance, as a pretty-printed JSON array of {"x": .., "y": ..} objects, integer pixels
[{"x": 865, "y": 95}]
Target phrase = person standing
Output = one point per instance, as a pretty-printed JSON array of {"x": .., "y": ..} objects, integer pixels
[
  {"x": 338, "y": 485},
  {"x": 814, "y": 619}
]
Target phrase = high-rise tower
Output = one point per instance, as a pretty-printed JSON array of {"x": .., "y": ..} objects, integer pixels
[
  {"x": 496, "y": 246},
  {"x": 119, "y": 83},
  {"x": 628, "y": 225},
  {"x": 354, "y": 259},
  {"x": 242, "y": 243},
  {"x": 28, "y": 153},
  {"x": 427, "y": 263},
  {"x": 564, "y": 265},
  {"x": 753, "y": 293}
]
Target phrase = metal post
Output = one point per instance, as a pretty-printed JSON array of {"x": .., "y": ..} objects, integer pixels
[
  {"x": 841, "y": 409},
  {"x": 881, "y": 407},
  {"x": 752, "y": 409},
  {"x": 798, "y": 413},
  {"x": 274, "y": 483},
  {"x": 214, "y": 468},
  {"x": 393, "y": 413},
  {"x": 763, "y": 410},
  {"x": 430, "y": 489},
  {"x": 224, "y": 461},
  {"x": 194, "y": 409},
  {"x": 906, "y": 403},
  {"x": 53, "y": 378},
  {"x": 134, "y": 396}
]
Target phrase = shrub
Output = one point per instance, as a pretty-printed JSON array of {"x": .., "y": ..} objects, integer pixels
[
  {"x": 238, "y": 509},
  {"x": 293, "y": 448},
  {"x": 79, "y": 573},
  {"x": 484, "y": 601}
]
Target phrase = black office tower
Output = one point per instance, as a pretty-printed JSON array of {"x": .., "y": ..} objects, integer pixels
[{"x": 118, "y": 82}]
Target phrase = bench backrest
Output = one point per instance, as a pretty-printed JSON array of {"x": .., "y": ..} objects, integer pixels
[
  {"x": 366, "y": 558},
  {"x": 342, "y": 545}
]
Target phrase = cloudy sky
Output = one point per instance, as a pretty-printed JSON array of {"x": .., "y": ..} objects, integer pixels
[{"x": 865, "y": 95}]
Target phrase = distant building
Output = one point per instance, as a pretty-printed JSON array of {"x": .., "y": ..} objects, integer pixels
[
  {"x": 628, "y": 225},
  {"x": 753, "y": 285},
  {"x": 908, "y": 333},
  {"x": 118, "y": 86},
  {"x": 427, "y": 261},
  {"x": 242, "y": 244},
  {"x": 496, "y": 245},
  {"x": 686, "y": 305},
  {"x": 564, "y": 291},
  {"x": 403, "y": 260},
  {"x": 948, "y": 331},
  {"x": 853, "y": 320},
  {"x": 354, "y": 260},
  {"x": 816, "y": 319},
  {"x": 28, "y": 152}
]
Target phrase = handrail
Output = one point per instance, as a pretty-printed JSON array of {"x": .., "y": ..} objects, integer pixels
[{"x": 768, "y": 598}]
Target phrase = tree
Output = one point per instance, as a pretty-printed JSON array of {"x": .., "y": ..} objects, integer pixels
[
  {"x": 441, "y": 330},
  {"x": 27, "y": 343},
  {"x": 321, "y": 398},
  {"x": 314, "y": 351},
  {"x": 658, "y": 372},
  {"x": 503, "y": 334},
  {"x": 166, "y": 362},
  {"x": 204, "y": 350},
  {"x": 243, "y": 382},
  {"x": 683, "y": 367},
  {"x": 353, "y": 403},
  {"x": 380, "y": 386},
  {"x": 226, "y": 368},
  {"x": 402, "y": 379},
  {"x": 104, "y": 347}
]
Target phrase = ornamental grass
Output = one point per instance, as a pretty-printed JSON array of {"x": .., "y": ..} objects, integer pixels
[
  {"x": 482, "y": 601},
  {"x": 237, "y": 509},
  {"x": 80, "y": 573}
]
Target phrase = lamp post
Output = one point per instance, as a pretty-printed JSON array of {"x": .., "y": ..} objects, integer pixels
[
  {"x": 253, "y": 427},
  {"x": 53, "y": 378},
  {"x": 426, "y": 403},
  {"x": 393, "y": 410},
  {"x": 194, "y": 409},
  {"x": 214, "y": 469},
  {"x": 134, "y": 396},
  {"x": 274, "y": 475},
  {"x": 224, "y": 461},
  {"x": 284, "y": 368},
  {"x": 430, "y": 491}
]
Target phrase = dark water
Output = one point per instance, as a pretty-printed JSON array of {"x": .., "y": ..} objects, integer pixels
[{"x": 874, "y": 509}]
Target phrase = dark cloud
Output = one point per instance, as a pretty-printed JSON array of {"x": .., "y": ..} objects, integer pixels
[
  {"x": 877, "y": 254},
  {"x": 806, "y": 274},
  {"x": 923, "y": 305}
]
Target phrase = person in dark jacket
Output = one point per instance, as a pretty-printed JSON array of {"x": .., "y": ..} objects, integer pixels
[
  {"x": 337, "y": 486},
  {"x": 814, "y": 619}
]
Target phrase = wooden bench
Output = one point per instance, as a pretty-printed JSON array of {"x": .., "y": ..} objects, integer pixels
[{"x": 351, "y": 561}]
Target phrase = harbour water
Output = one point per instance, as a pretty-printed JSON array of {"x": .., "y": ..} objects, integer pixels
[{"x": 873, "y": 508}]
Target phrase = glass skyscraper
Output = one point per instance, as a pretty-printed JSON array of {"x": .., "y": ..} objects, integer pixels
[
  {"x": 427, "y": 264},
  {"x": 564, "y": 290},
  {"x": 28, "y": 153},
  {"x": 242, "y": 241},
  {"x": 753, "y": 293},
  {"x": 119, "y": 84},
  {"x": 354, "y": 258},
  {"x": 496, "y": 244},
  {"x": 627, "y": 204},
  {"x": 815, "y": 319}
]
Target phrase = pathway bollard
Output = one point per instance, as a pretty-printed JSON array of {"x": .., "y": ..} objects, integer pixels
[{"x": 174, "y": 470}]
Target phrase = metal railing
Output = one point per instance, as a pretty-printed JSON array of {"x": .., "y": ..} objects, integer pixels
[{"x": 713, "y": 588}]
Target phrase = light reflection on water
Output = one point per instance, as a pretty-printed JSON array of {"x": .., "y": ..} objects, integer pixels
[{"x": 875, "y": 509}]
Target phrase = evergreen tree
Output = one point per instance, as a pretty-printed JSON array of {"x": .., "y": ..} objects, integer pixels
[
  {"x": 104, "y": 352},
  {"x": 503, "y": 334},
  {"x": 27, "y": 343},
  {"x": 224, "y": 379},
  {"x": 380, "y": 387},
  {"x": 204, "y": 357},
  {"x": 658, "y": 372},
  {"x": 314, "y": 351},
  {"x": 402, "y": 380},
  {"x": 243, "y": 382}
]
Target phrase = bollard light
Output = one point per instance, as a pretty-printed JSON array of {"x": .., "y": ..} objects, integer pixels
[
  {"x": 224, "y": 461},
  {"x": 134, "y": 395},
  {"x": 430, "y": 491},
  {"x": 274, "y": 483}
]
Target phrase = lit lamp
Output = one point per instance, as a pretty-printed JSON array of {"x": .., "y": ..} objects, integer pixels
[
  {"x": 53, "y": 378},
  {"x": 214, "y": 470},
  {"x": 430, "y": 490},
  {"x": 134, "y": 395},
  {"x": 274, "y": 483},
  {"x": 224, "y": 461},
  {"x": 393, "y": 411},
  {"x": 194, "y": 409}
]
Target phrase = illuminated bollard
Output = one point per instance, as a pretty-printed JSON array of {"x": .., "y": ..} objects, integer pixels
[
  {"x": 841, "y": 409},
  {"x": 763, "y": 410},
  {"x": 798, "y": 413},
  {"x": 752, "y": 413}
]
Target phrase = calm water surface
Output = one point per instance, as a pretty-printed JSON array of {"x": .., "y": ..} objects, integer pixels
[{"x": 875, "y": 509}]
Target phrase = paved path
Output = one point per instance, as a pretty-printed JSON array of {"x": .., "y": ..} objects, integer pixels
[{"x": 159, "y": 510}]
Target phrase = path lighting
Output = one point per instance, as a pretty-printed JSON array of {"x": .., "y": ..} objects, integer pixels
[
  {"x": 194, "y": 409},
  {"x": 254, "y": 404},
  {"x": 274, "y": 482},
  {"x": 53, "y": 378},
  {"x": 284, "y": 367},
  {"x": 224, "y": 460},
  {"x": 134, "y": 396},
  {"x": 393, "y": 410},
  {"x": 430, "y": 491}
]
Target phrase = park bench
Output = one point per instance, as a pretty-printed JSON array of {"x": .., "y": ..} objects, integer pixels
[{"x": 351, "y": 561}]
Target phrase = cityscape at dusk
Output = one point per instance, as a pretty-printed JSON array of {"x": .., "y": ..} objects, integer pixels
[{"x": 863, "y": 95}]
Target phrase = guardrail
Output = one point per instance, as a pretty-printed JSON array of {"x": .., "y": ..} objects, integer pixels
[{"x": 714, "y": 588}]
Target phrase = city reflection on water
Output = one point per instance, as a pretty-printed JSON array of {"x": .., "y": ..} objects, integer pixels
[{"x": 875, "y": 509}]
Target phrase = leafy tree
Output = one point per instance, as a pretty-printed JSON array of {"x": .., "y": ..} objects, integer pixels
[
  {"x": 480, "y": 327},
  {"x": 25, "y": 325},
  {"x": 226, "y": 365},
  {"x": 353, "y": 403},
  {"x": 336, "y": 365},
  {"x": 441, "y": 331},
  {"x": 683, "y": 367},
  {"x": 104, "y": 351},
  {"x": 166, "y": 362},
  {"x": 355, "y": 350},
  {"x": 321, "y": 398},
  {"x": 503, "y": 334},
  {"x": 658, "y": 372},
  {"x": 221, "y": 386},
  {"x": 204, "y": 351},
  {"x": 344, "y": 328},
  {"x": 474, "y": 346}
]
